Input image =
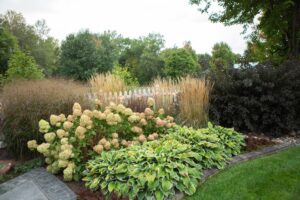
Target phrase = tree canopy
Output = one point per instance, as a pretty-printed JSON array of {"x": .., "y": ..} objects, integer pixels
[
  {"x": 276, "y": 24},
  {"x": 22, "y": 66}
]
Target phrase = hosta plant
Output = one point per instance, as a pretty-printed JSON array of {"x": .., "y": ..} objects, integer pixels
[
  {"x": 156, "y": 169},
  {"x": 215, "y": 144},
  {"x": 153, "y": 170},
  {"x": 70, "y": 141}
]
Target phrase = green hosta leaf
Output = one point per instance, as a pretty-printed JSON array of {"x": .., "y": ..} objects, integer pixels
[
  {"x": 111, "y": 186},
  {"x": 166, "y": 185},
  {"x": 150, "y": 178},
  {"x": 159, "y": 195}
]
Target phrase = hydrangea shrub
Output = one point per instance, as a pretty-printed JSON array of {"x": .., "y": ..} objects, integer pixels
[{"x": 70, "y": 141}]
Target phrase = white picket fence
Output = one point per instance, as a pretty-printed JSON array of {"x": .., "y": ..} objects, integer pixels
[{"x": 137, "y": 98}]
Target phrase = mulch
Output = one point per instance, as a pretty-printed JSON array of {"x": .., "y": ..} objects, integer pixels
[{"x": 254, "y": 142}]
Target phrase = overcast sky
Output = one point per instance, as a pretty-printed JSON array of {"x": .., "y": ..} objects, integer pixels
[{"x": 177, "y": 20}]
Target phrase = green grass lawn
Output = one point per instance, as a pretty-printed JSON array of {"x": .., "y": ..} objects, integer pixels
[{"x": 272, "y": 177}]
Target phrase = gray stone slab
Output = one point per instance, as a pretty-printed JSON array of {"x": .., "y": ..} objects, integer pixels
[
  {"x": 26, "y": 191},
  {"x": 48, "y": 184}
]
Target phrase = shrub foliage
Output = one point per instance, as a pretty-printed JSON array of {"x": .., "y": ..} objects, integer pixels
[
  {"x": 263, "y": 98},
  {"x": 70, "y": 141},
  {"x": 158, "y": 168}
]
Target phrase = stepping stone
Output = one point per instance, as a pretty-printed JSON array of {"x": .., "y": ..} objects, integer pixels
[{"x": 37, "y": 184}]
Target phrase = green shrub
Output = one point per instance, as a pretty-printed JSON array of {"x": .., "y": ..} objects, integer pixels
[
  {"x": 262, "y": 98},
  {"x": 70, "y": 141},
  {"x": 154, "y": 169},
  {"x": 22, "y": 66},
  {"x": 157, "y": 169},
  {"x": 24, "y": 103}
]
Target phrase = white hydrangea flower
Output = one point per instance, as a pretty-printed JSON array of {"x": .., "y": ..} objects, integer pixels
[
  {"x": 44, "y": 126},
  {"x": 98, "y": 148},
  {"x": 32, "y": 144},
  {"x": 54, "y": 119},
  {"x": 67, "y": 125},
  {"x": 49, "y": 137},
  {"x": 150, "y": 102}
]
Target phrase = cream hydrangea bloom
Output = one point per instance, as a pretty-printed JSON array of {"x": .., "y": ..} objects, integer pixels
[
  {"x": 115, "y": 135},
  {"x": 67, "y": 125},
  {"x": 127, "y": 112},
  {"x": 64, "y": 141},
  {"x": 62, "y": 117},
  {"x": 61, "y": 133},
  {"x": 49, "y": 137},
  {"x": 44, "y": 126},
  {"x": 137, "y": 129},
  {"x": 98, "y": 148},
  {"x": 70, "y": 118},
  {"x": 120, "y": 108},
  {"x": 54, "y": 119},
  {"x": 65, "y": 155},
  {"x": 161, "y": 111},
  {"x": 134, "y": 118},
  {"x": 149, "y": 112},
  {"x": 66, "y": 147},
  {"x": 107, "y": 145},
  {"x": 32, "y": 144},
  {"x": 102, "y": 141},
  {"x": 62, "y": 163},
  {"x": 43, "y": 148},
  {"x": 170, "y": 118},
  {"x": 143, "y": 122},
  {"x": 68, "y": 174},
  {"x": 150, "y": 102},
  {"x": 142, "y": 138},
  {"x": 85, "y": 120},
  {"x": 77, "y": 109},
  {"x": 88, "y": 113},
  {"x": 80, "y": 132}
]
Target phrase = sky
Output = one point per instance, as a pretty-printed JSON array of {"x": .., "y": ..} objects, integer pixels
[{"x": 176, "y": 20}]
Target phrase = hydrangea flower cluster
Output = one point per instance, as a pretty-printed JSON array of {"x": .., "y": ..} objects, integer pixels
[{"x": 71, "y": 140}]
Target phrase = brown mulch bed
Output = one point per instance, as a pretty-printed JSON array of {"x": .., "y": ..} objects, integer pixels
[{"x": 255, "y": 142}]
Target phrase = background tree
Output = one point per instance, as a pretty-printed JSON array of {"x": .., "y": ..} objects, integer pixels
[
  {"x": 22, "y": 66},
  {"x": 277, "y": 23},
  {"x": 141, "y": 57},
  {"x": 222, "y": 57},
  {"x": 84, "y": 54},
  {"x": 8, "y": 44},
  {"x": 178, "y": 62},
  {"x": 34, "y": 40}
]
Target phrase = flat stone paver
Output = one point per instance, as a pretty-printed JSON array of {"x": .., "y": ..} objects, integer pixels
[{"x": 37, "y": 184}]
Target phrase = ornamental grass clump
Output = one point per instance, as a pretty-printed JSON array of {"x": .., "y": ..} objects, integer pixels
[
  {"x": 107, "y": 83},
  {"x": 194, "y": 101},
  {"x": 24, "y": 103},
  {"x": 69, "y": 141}
]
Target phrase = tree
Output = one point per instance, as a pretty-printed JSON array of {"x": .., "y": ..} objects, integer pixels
[
  {"x": 204, "y": 60},
  {"x": 22, "y": 66},
  {"x": 34, "y": 40},
  {"x": 222, "y": 57},
  {"x": 141, "y": 57},
  {"x": 277, "y": 23},
  {"x": 84, "y": 54},
  {"x": 8, "y": 44},
  {"x": 178, "y": 62}
]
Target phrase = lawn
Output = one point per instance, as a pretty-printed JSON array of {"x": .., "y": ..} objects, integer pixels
[{"x": 271, "y": 177}]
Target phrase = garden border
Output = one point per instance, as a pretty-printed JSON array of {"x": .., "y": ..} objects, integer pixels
[{"x": 207, "y": 173}]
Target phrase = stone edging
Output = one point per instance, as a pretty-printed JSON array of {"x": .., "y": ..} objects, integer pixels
[{"x": 240, "y": 158}]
